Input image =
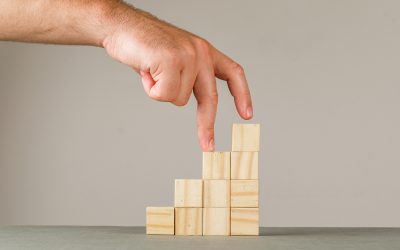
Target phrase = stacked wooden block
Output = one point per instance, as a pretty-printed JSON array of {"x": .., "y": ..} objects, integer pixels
[{"x": 225, "y": 201}]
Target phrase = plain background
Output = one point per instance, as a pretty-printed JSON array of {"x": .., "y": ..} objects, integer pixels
[{"x": 81, "y": 143}]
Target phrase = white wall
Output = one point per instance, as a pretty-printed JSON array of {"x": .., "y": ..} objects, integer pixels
[{"x": 80, "y": 143}]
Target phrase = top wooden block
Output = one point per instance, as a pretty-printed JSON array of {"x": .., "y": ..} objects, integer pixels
[
  {"x": 246, "y": 137},
  {"x": 216, "y": 165}
]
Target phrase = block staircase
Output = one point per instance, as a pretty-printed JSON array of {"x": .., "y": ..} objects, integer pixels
[{"x": 225, "y": 201}]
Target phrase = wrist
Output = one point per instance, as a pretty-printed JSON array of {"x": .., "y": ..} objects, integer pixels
[
  {"x": 101, "y": 20},
  {"x": 113, "y": 16}
]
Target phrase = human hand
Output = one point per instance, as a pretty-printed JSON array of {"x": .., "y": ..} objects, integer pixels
[{"x": 173, "y": 63}]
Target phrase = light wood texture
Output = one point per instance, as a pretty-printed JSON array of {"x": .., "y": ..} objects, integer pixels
[
  {"x": 216, "y": 221},
  {"x": 246, "y": 137},
  {"x": 216, "y": 165},
  {"x": 216, "y": 193},
  {"x": 188, "y": 221},
  {"x": 244, "y": 221},
  {"x": 244, "y": 193},
  {"x": 188, "y": 193},
  {"x": 160, "y": 220},
  {"x": 244, "y": 165}
]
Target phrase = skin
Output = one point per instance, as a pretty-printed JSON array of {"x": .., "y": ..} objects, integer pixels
[{"x": 172, "y": 62}]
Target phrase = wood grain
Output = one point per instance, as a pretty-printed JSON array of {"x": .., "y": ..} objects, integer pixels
[
  {"x": 244, "y": 221},
  {"x": 246, "y": 137},
  {"x": 216, "y": 221},
  {"x": 244, "y": 165},
  {"x": 216, "y": 193},
  {"x": 160, "y": 220},
  {"x": 188, "y": 221},
  {"x": 188, "y": 193},
  {"x": 216, "y": 165},
  {"x": 244, "y": 193}
]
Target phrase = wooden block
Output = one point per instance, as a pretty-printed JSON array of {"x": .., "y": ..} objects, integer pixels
[
  {"x": 216, "y": 193},
  {"x": 244, "y": 193},
  {"x": 216, "y": 221},
  {"x": 244, "y": 165},
  {"x": 216, "y": 165},
  {"x": 188, "y": 221},
  {"x": 160, "y": 220},
  {"x": 188, "y": 193},
  {"x": 246, "y": 137},
  {"x": 244, "y": 221}
]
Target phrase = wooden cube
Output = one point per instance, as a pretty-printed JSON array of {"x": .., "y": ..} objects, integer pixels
[
  {"x": 244, "y": 193},
  {"x": 216, "y": 165},
  {"x": 216, "y": 193},
  {"x": 246, "y": 137},
  {"x": 160, "y": 220},
  {"x": 244, "y": 221},
  {"x": 216, "y": 221},
  {"x": 244, "y": 165},
  {"x": 188, "y": 221},
  {"x": 188, "y": 193}
]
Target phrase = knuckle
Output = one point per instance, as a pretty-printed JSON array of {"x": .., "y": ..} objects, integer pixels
[
  {"x": 203, "y": 46},
  {"x": 173, "y": 57},
  {"x": 171, "y": 97},
  {"x": 190, "y": 54},
  {"x": 214, "y": 99},
  {"x": 162, "y": 96},
  {"x": 209, "y": 99},
  {"x": 237, "y": 68},
  {"x": 205, "y": 129},
  {"x": 180, "y": 102},
  {"x": 156, "y": 96}
]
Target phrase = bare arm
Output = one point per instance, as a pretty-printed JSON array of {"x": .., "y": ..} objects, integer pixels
[{"x": 172, "y": 62}]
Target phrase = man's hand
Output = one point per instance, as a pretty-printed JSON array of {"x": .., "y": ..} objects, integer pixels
[{"x": 172, "y": 62}]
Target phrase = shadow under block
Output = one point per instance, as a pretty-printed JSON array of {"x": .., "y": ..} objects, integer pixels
[
  {"x": 216, "y": 165},
  {"x": 160, "y": 220},
  {"x": 216, "y": 221},
  {"x": 244, "y": 221},
  {"x": 188, "y": 221},
  {"x": 188, "y": 193},
  {"x": 216, "y": 193},
  {"x": 244, "y": 165},
  {"x": 246, "y": 137},
  {"x": 244, "y": 193}
]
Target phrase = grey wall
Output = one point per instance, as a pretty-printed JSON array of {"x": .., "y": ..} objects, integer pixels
[{"x": 80, "y": 142}]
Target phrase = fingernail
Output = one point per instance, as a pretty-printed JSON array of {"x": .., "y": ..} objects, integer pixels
[
  {"x": 249, "y": 112},
  {"x": 211, "y": 145}
]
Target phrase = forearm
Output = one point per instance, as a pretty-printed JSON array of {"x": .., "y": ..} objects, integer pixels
[
  {"x": 82, "y": 22},
  {"x": 172, "y": 63}
]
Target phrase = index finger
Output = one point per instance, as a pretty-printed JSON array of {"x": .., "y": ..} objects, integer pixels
[
  {"x": 205, "y": 91},
  {"x": 230, "y": 71}
]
